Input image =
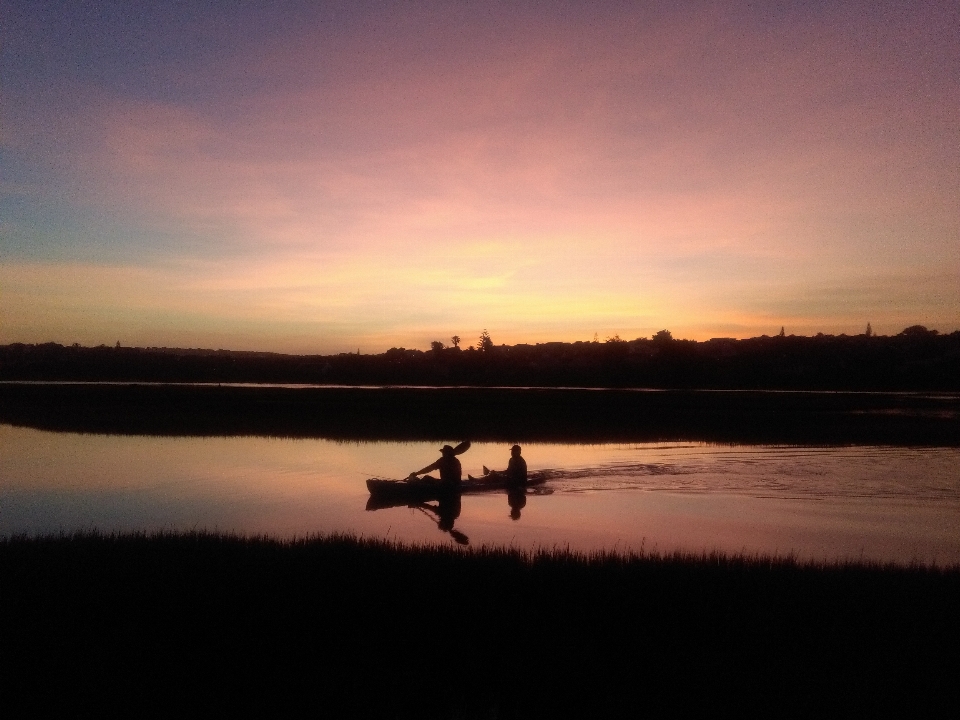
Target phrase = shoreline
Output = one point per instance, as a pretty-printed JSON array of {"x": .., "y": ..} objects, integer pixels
[{"x": 524, "y": 557}]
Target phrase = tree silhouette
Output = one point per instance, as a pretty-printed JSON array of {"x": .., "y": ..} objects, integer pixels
[
  {"x": 485, "y": 344},
  {"x": 782, "y": 333},
  {"x": 455, "y": 340},
  {"x": 917, "y": 331},
  {"x": 916, "y": 359},
  {"x": 869, "y": 332}
]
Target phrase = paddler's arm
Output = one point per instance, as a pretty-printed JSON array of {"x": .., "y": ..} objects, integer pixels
[{"x": 428, "y": 468}]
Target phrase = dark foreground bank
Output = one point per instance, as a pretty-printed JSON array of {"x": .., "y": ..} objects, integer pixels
[
  {"x": 340, "y": 627},
  {"x": 491, "y": 414}
]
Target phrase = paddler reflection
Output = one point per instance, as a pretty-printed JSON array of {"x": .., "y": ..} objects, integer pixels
[
  {"x": 517, "y": 499},
  {"x": 447, "y": 510}
]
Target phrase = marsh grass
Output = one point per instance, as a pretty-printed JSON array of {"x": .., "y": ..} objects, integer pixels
[
  {"x": 493, "y": 414},
  {"x": 344, "y": 626}
]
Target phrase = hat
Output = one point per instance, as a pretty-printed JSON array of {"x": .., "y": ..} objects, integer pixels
[{"x": 446, "y": 448}]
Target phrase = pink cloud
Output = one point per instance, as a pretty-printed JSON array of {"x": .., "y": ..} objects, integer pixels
[{"x": 648, "y": 165}]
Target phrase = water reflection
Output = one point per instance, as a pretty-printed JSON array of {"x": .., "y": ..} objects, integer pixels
[
  {"x": 880, "y": 503},
  {"x": 517, "y": 500},
  {"x": 447, "y": 510}
]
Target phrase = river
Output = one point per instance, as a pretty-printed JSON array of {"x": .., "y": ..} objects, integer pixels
[{"x": 878, "y": 503}]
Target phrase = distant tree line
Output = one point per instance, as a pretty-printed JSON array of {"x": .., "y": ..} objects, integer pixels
[{"x": 915, "y": 359}]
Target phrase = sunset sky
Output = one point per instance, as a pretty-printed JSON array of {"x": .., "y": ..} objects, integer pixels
[{"x": 334, "y": 176}]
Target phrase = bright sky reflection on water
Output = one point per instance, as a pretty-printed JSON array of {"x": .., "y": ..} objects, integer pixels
[{"x": 879, "y": 503}]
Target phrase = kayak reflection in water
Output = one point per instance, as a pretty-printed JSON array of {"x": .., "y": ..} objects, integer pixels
[{"x": 447, "y": 510}]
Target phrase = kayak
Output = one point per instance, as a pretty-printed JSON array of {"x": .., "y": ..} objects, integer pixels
[{"x": 390, "y": 493}]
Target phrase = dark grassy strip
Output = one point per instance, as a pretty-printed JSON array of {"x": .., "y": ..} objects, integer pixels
[
  {"x": 917, "y": 359},
  {"x": 340, "y": 627},
  {"x": 488, "y": 414}
]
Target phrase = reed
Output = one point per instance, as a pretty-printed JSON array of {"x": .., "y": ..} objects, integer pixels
[{"x": 155, "y": 624}]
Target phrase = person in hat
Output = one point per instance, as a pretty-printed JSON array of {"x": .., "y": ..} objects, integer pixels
[
  {"x": 449, "y": 467},
  {"x": 516, "y": 468}
]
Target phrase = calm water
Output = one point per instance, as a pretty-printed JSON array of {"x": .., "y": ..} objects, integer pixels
[{"x": 878, "y": 503}]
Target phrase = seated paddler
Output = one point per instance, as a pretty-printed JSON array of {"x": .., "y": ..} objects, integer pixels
[
  {"x": 516, "y": 468},
  {"x": 449, "y": 467}
]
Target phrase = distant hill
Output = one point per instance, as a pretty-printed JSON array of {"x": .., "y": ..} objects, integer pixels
[{"x": 916, "y": 359}]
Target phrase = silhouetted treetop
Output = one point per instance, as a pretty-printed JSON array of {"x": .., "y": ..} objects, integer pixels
[
  {"x": 484, "y": 344},
  {"x": 917, "y": 331},
  {"x": 916, "y": 358}
]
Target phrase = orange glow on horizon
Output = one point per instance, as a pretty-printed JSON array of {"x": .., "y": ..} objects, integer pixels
[{"x": 715, "y": 172}]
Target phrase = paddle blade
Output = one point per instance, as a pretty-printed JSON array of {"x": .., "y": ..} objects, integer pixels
[
  {"x": 462, "y": 448},
  {"x": 460, "y": 537}
]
